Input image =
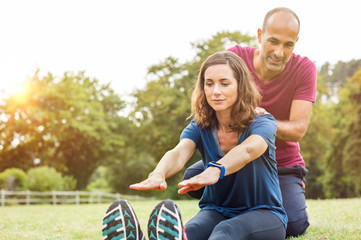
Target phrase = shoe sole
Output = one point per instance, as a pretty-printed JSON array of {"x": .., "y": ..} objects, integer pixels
[
  {"x": 165, "y": 222},
  {"x": 121, "y": 223}
]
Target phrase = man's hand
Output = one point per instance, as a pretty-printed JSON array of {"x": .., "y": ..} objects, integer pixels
[
  {"x": 260, "y": 110},
  {"x": 208, "y": 177},
  {"x": 154, "y": 182}
]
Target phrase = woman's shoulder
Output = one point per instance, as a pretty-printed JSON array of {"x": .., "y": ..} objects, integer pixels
[
  {"x": 193, "y": 127},
  {"x": 264, "y": 120},
  {"x": 193, "y": 124},
  {"x": 194, "y": 132},
  {"x": 264, "y": 117}
]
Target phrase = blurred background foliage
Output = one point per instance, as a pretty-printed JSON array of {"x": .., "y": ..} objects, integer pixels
[{"x": 80, "y": 134}]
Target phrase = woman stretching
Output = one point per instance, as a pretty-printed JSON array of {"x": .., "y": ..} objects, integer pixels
[{"x": 242, "y": 198}]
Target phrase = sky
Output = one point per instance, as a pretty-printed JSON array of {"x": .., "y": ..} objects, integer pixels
[{"x": 116, "y": 41}]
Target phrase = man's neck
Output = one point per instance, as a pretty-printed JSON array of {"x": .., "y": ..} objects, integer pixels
[{"x": 264, "y": 74}]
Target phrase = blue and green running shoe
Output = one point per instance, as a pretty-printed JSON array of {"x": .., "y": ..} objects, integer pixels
[
  {"x": 121, "y": 223},
  {"x": 165, "y": 222}
]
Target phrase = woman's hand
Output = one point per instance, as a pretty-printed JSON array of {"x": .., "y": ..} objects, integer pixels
[
  {"x": 155, "y": 181},
  {"x": 208, "y": 177}
]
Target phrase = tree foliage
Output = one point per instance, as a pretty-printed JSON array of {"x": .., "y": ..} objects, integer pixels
[
  {"x": 343, "y": 178},
  {"x": 44, "y": 179},
  {"x": 13, "y": 179},
  {"x": 316, "y": 142},
  {"x": 336, "y": 76},
  {"x": 71, "y": 124}
]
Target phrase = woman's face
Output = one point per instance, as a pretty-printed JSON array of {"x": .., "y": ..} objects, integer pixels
[{"x": 220, "y": 87}]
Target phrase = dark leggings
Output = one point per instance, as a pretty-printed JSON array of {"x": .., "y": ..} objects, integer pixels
[
  {"x": 253, "y": 225},
  {"x": 293, "y": 195}
]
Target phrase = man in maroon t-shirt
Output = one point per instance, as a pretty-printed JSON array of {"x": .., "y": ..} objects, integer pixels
[{"x": 287, "y": 83}]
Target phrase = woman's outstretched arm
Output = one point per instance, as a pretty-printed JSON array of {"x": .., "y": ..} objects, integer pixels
[
  {"x": 253, "y": 147},
  {"x": 171, "y": 163}
]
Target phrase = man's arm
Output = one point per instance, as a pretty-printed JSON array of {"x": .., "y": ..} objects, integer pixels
[{"x": 295, "y": 128}]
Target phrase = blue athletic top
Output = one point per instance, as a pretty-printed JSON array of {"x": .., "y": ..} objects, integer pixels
[{"x": 255, "y": 186}]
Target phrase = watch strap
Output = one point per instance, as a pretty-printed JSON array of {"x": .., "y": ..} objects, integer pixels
[{"x": 217, "y": 165}]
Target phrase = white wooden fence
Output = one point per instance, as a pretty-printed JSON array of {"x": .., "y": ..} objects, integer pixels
[{"x": 59, "y": 197}]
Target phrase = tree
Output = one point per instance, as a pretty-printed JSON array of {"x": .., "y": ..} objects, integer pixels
[
  {"x": 44, "y": 179},
  {"x": 352, "y": 151},
  {"x": 336, "y": 76},
  {"x": 71, "y": 124},
  {"x": 342, "y": 178},
  {"x": 13, "y": 179},
  {"x": 317, "y": 141}
]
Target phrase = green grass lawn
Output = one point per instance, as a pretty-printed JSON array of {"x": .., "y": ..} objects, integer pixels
[{"x": 330, "y": 219}]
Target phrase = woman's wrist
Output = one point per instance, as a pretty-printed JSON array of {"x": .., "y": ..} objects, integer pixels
[
  {"x": 220, "y": 167},
  {"x": 156, "y": 174}
]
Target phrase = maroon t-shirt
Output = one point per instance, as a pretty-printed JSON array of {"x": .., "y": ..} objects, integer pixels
[{"x": 296, "y": 82}]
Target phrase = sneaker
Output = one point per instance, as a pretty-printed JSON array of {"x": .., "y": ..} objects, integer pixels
[
  {"x": 120, "y": 222},
  {"x": 165, "y": 222}
]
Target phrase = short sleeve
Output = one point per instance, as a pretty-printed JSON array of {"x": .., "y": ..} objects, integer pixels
[
  {"x": 306, "y": 87},
  {"x": 191, "y": 132},
  {"x": 265, "y": 126}
]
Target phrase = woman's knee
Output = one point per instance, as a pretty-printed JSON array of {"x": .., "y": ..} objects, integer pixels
[
  {"x": 192, "y": 171},
  {"x": 193, "y": 230},
  {"x": 225, "y": 230}
]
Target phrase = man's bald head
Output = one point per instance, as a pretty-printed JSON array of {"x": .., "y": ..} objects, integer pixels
[{"x": 285, "y": 11}]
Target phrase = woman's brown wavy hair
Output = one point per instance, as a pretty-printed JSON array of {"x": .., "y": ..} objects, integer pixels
[{"x": 243, "y": 111}]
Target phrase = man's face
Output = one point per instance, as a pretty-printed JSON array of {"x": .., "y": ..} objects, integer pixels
[{"x": 278, "y": 41}]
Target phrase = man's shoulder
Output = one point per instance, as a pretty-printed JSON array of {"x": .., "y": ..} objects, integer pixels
[
  {"x": 302, "y": 61},
  {"x": 242, "y": 50},
  {"x": 245, "y": 53}
]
